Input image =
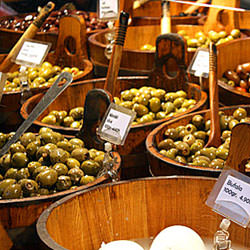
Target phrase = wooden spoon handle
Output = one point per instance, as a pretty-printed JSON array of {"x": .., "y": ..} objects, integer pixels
[
  {"x": 215, "y": 133},
  {"x": 29, "y": 33},
  {"x": 239, "y": 151},
  {"x": 116, "y": 56},
  {"x": 166, "y": 18}
]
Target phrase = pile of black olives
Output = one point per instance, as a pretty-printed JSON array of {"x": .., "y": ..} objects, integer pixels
[
  {"x": 151, "y": 103},
  {"x": 72, "y": 119},
  {"x": 185, "y": 144},
  {"x": 46, "y": 163},
  {"x": 38, "y": 77},
  {"x": 51, "y": 24}
]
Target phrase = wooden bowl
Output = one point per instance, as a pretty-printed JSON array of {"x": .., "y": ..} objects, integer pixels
[
  {"x": 23, "y": 212},
  {"x": 133, "y": 153},
  {"x": 161, "y": 165},
  {"x": 9, "y": 37},
  {"x": 230, "y": 55},
  {"x": 134, "y": 210},
  {"x": 11, "y": 101}
]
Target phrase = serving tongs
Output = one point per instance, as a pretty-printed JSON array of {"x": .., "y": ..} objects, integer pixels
[{"x": 54, "y": 91}]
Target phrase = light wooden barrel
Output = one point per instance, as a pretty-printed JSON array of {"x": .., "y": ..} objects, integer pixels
[
  {"x": 133, "y": 152},
  {"x": 230, "y": 55},
  {"x": 11, "y": 101},
  {"x": 137, "y": 209},
  {"x": 161, "y": 165}
]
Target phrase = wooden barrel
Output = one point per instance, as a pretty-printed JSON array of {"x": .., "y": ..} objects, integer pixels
[
  {"x": 9, "y": 37},
  {"x": 24, "y": 212},
  {"x": 11, "y": 101},
  {"x": 161, "y": 165},
  {"x": 133, "y": 152},
  {"x": 134, "y": 210},
  {"x": 230, "y": 55}
]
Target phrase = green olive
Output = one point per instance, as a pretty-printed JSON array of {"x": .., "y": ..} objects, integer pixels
[
  {"x": 76, "y": 113},
  {"x": 171, "y": 133},
  {"x": 17, "y": 147},
  {"x": 240, "y": 113},
  {"x": 75, "y": 175},
  {"x": 12, "y": 191},
  {"x": 72, "y": 163},
  {"x": 63, "y": 183},
  {"x": 90, "y": 167},
  {"x": 58, "y": 155},
  {"x": 86, "y": 179},
  {"x": 47, "y": 178},
  {"x": 217, "y": 163},
  {"x": 198, "y": 121},
  {"x": 166, "y": 144},
  {"x": 19, "y": 160},
  {"x": 32, "y": 165},
  {"x": 79, "y": 154},
  {"x": 60, "y": 168},
  {"x": 28, "y": 187},
  {"x": 49, "y": 119}
]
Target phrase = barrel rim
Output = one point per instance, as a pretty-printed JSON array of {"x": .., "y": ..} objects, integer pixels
[
  {"x": 151, "y": 148},
  {"x": 41, "y": 222}
]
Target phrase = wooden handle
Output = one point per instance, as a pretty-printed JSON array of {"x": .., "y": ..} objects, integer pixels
[
  {"x": 71, "y": 49},
  {"x": 116, "y": 56},
  {"x": 215, "y": 133},
  {"x": 29, "y": 33},
  {"x": 239, "y": 150},
  {"x": 166, "y": 18}
]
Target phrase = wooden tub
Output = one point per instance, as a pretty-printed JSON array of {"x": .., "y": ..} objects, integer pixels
[
  {"x": 134, "y": 210},
  {"x": 230, "y": 55},
  {"x": 133, "y": 153},
  {"x": 161, "y": 165}
]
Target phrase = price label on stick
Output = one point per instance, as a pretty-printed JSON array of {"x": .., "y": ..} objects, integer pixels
[
  {"x": 199, "y": 65},
  {"x": 116, "y": 124},
  {"x": 108, "y": 9},
  {"x": 230, "y": 197},
  {"x": 32, "y": 53}
]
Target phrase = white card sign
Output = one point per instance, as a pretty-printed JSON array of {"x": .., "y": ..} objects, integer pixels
[
  {"x": 231, "y": 197},
  {"x": 199, "y": 65},
  {"x": 116, "y": 124},
  {"x": 108, "y": 9},
  {"x": 32, "y": 53}
]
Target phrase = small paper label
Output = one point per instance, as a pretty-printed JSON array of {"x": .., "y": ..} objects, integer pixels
[
  {"x": 236, "y": 191},
  {"x": 230, "y": 196},
  {"x": 116, "y": 124},
  {"x": 3, "y": 78},
  {"x": 108, "y": 9},
  {"x": 32, "y": 53},
  {"x": 200, "y": 63}
]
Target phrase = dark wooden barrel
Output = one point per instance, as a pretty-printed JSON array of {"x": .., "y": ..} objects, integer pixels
[
  {"x": 133, "y": 152},
  {"x": 134, "y": 210},
  {"x": 161, "y": 165},
  {"x": 230, "y": 55}
]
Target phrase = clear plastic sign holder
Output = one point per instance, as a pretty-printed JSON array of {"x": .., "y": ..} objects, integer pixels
[
  {"x": 32, "y": 53},
  {"x": 199, "y": 65},
  {"x": 230, "y": 197},
  {"x": 108, "y": 10},
  {"x": 116, "y": 124}
]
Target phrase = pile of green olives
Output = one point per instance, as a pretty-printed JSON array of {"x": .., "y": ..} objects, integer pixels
[
  {"x": 38, "y": 77},
  {"x": 202, "y": 40},
  {"x": 46, "y": 163},
  {"x": 185, "y": 144},
  {"x": 151, "y": 103},
  {"x": 71, "y": 119}
]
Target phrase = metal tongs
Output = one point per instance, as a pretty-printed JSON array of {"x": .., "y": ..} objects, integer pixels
[{"x": 54, "y": 91}]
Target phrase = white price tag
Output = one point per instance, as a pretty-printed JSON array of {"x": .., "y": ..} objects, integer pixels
[
  {"x": 199, "y": 65},
  {"x": 32, "y": 53},
  {"x": 3, "y": 78},
  {"x": 116, "y": 124},
  {"x": 108, "y": 9},
  {"x": 231, "y": 197}
]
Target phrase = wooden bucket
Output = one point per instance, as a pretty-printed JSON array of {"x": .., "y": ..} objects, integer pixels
[
  {"x": 230, "y": 55},
  {"x": 134, "y": 210},
  {"x": 161, "y": 165},
  {"x": 11, "y": 101},
  {"x": 133, "y": 153}
]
